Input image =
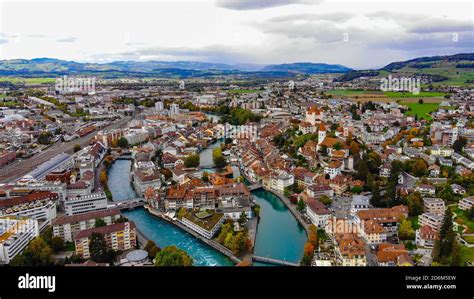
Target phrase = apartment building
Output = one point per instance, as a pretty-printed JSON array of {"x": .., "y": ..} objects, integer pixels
[
  {"x": 280, "y": 182},
  {"x": 466, "y": 203},
  {"x": 433, "y": 220},
  {"x": 426, "y": 190},
  {"x": 87, "y": 203},
  {"x": 204, "y": 223},
  {"x": 144, "y": 179},
  {"x": 119, "y": 236},
  {"x": 15, "y": 234},
  {"x": 317, "y": 190},
  {"x": 39, "y": 205},
  {"x": 66, "y": 226},
  {"x": 434, "y": 205}
]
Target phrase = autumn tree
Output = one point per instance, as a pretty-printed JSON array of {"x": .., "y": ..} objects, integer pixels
[
  {"x": 405, "y": 230},
  {"x": 192, "y": 161},
  {"x": 420, "y": 168},
  {"x": 308, "y": 253},
  {"x": 226, "y": 228},
  {"x": 415, "y": 204},
  {"x": 313, "y": 235},
  {"x": 103, "y": 177}
]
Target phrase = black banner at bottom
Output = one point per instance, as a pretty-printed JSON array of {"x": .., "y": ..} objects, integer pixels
[{"x": 222, "y": 282}]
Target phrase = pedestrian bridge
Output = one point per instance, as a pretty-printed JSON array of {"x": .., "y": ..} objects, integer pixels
[
  {"x": 272, "y": 261},
  {"x": 128, "y": 204},
  {"x": 254, "y": 187}
]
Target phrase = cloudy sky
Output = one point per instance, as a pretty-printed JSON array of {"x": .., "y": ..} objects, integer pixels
[{"x": 358, "y": 34}]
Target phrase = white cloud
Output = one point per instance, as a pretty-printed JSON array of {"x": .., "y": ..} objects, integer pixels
[
  {"x": 66, "y": 40},
  {"x": 260, "y": 4},
  {"x": 244, "y": 32}
]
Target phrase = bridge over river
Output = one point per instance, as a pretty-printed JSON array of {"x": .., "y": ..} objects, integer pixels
[
  {"x": 128, "y": 204},
  {"x": 254, "y": 187},
  {"x": 269, "y": 260}
]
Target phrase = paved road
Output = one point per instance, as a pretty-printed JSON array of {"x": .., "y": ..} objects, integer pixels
[{"x": 18, "y": 169}]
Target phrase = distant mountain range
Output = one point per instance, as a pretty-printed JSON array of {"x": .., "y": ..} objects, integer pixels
[
  {"x": 455, "y": 69},
  {"x": 307, "y": 68},
  {"x": 49, "y": 67}
]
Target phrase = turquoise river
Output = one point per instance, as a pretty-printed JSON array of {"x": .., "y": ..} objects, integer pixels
[{"x": 279, "y": 235}]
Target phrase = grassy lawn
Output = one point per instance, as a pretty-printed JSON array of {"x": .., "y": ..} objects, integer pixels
[
  {"x": 27, "y": 80},
  {"x": 10, "y": 104},
  {"x": 469, "y": 239},
  {"x": 467, "y": 254},
  {"x": 423, "y": 94},
  {"x": 462, "y": 218},
  {"x": 2, "y": 95},
  {"x": 422, "y": 110}
]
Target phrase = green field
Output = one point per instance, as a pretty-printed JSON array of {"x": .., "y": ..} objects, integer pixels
[
  {"x": 27, "y": 80},
  {"x": 463, "y": 219},
  {"x": 469, "y": 239},
  {"x": 467, "y": 254},
  {"x": 423, "y": 94},
  {"x": 421, "y": 110}
]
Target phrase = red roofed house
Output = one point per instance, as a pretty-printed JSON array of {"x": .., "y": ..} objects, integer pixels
[
  {"x": 393, "y": 255},
  {"x": 426, "y": 236}
]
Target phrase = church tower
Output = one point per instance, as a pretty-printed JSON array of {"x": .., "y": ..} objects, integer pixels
[{"x": 321, "y": 133}]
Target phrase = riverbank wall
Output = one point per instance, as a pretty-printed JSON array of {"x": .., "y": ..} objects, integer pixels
[{"x": 286, "y": 202}]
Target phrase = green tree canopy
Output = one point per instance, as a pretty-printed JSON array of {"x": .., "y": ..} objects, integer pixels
[
  {"x": 123, "y": 143},
  {"x": 98, "y": 248},
  {"x": 192, "y": 161},
  {"x": 172, "y": 256}
]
